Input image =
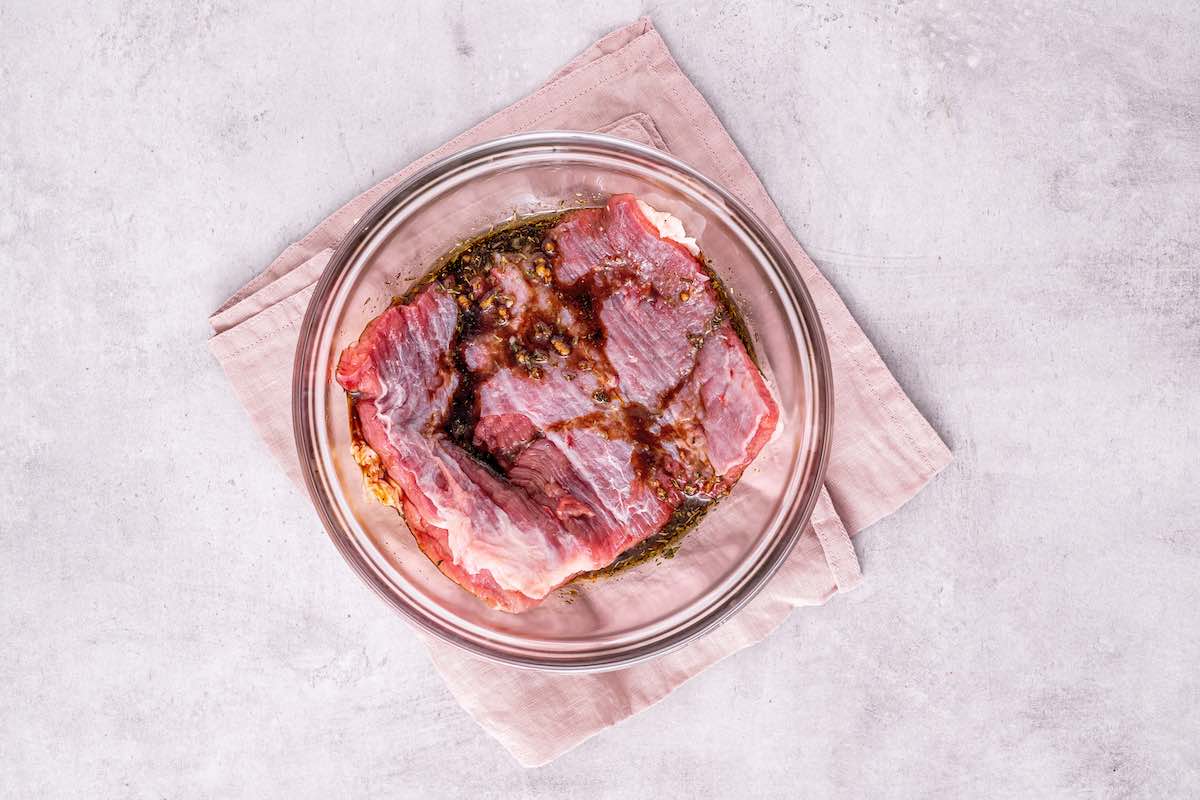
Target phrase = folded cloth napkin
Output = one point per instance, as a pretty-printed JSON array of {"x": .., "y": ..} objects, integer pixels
[{"x": 883, "y": 451}]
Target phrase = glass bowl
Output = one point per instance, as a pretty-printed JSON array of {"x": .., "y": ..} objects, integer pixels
[{"x": 651, "y": 608}]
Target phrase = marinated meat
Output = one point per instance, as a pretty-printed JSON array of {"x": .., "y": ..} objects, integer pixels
[{"x": 553, "y": 397}]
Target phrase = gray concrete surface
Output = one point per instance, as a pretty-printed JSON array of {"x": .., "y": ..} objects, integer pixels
[{"x": 1006, "y": 194}]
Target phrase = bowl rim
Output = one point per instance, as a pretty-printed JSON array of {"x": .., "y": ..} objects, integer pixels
[{"x": 318, "y": 485}]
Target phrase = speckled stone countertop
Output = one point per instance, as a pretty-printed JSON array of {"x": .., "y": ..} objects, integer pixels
[{"x": 1005, "y": 194}]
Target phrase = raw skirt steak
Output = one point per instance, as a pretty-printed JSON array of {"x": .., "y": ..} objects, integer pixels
[{"x": 552, "y": 398}]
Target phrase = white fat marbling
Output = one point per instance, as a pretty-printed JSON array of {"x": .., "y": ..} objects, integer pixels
[{"x": 669, "y": 227}]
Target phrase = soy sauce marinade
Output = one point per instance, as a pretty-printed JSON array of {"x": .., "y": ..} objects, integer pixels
[{"x": 538, "y": 339}]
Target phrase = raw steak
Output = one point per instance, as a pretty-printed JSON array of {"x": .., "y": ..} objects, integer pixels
[{"x": 552, "y": 403}]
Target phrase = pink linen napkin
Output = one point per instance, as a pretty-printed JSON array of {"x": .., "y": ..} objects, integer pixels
[{"x": 883, "y": 451}]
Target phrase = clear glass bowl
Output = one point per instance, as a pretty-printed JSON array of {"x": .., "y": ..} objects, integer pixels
[{"x": 649, "y": 609}]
